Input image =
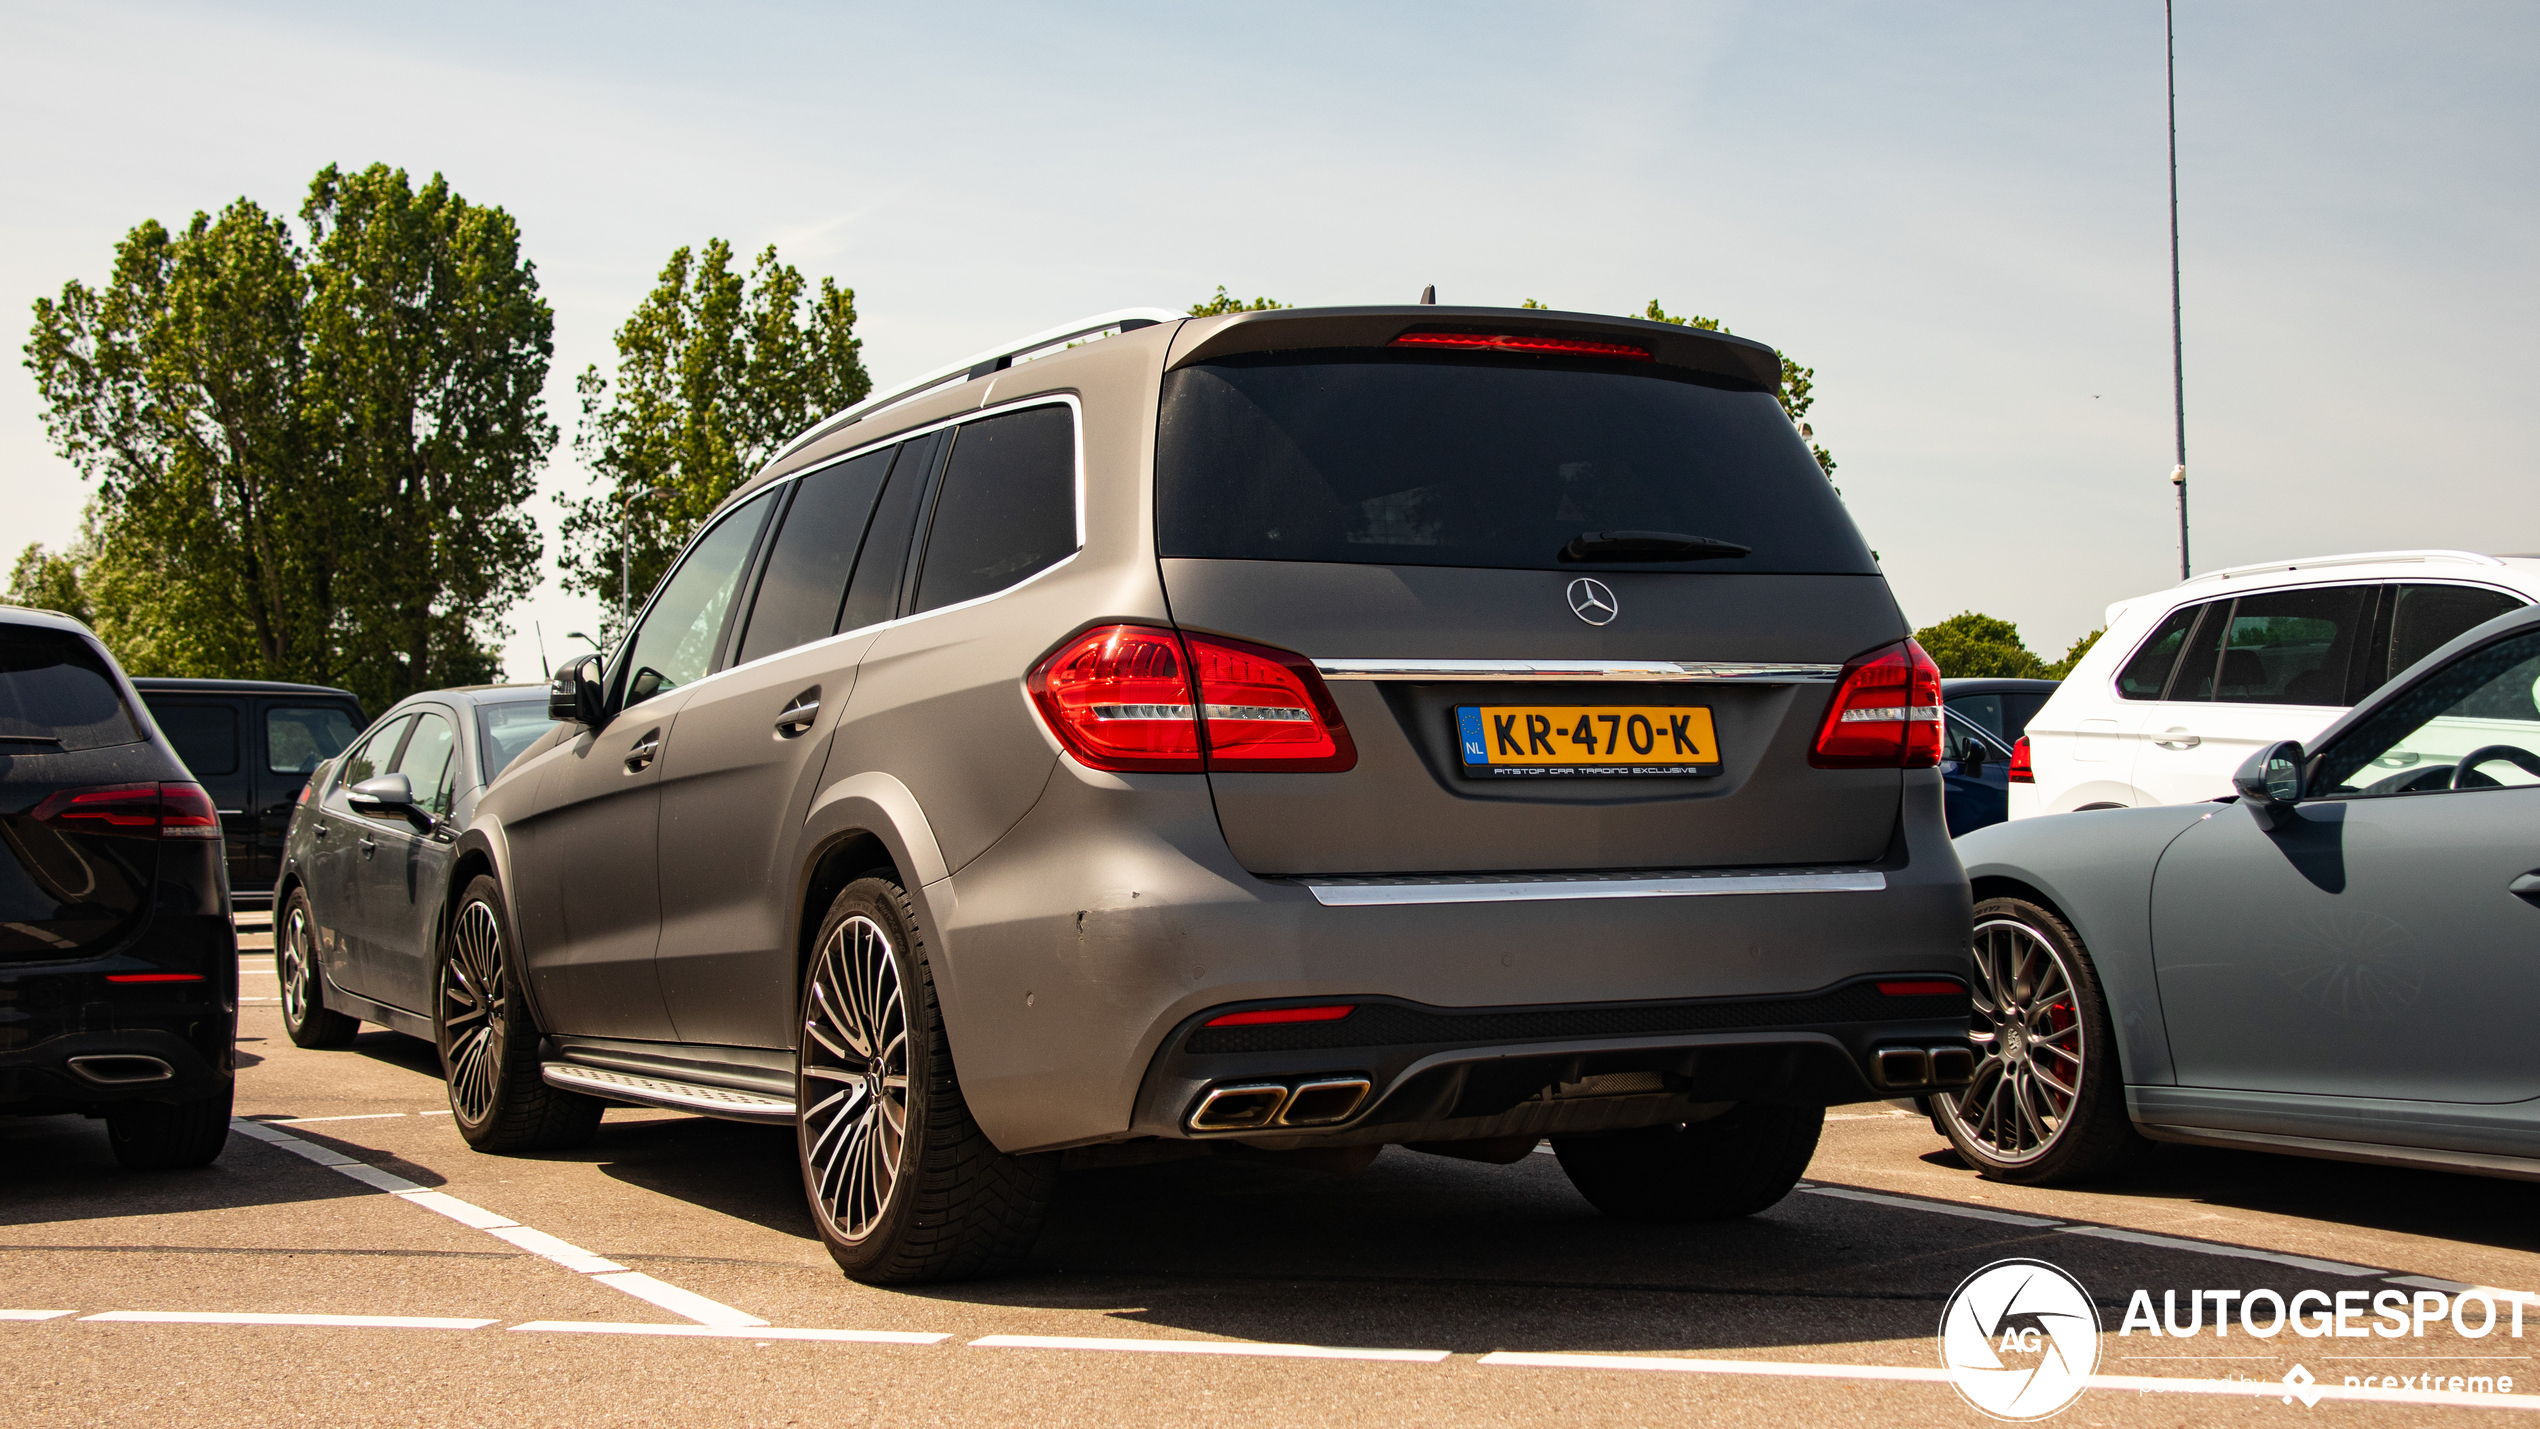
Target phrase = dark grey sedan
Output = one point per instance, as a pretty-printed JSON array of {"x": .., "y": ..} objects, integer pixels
[
  {"x": 2339, "y": 961},
  {"x": 366, "y": 864}
]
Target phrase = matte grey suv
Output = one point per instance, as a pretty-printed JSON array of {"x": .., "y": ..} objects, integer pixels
[{"x": 1314, "y": 729}]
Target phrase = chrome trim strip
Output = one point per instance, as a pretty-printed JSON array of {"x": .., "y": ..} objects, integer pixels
[
  {"x": 1337, "y": 893},
  {"x": 1574, "y": 670}
]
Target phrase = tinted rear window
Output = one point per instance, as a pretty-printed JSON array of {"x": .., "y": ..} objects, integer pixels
[
  {"x": 205, "y": 736},
  {"x": 56, "y": 693},
  {"x": 806, "y": 578},
  {"x": 1378, "y": 458},
  {"x": 1008, "y": 508}
]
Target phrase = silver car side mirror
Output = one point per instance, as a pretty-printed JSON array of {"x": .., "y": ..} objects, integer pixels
[{"x": 2270, "y": 781}]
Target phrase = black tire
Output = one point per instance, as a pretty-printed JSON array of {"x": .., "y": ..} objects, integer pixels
[
  {"x": 932, "y": 1199},
  {"x": 488, "y": 1042},
  {"x": 162, "y": 1136},
  {"x": 1734, "y": 1164},
  {"x": 2047, "y": 1105},
  {"x": 306, "y": 1019}
]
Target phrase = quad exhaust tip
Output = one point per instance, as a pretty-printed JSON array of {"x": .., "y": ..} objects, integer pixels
[
  {"x": 1248, "y": 1106},
  {"x": 122, "y": 1069},
  {"x": 1897, "y": 1068}
]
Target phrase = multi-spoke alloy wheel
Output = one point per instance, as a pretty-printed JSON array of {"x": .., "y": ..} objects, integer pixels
[
  {"x": 854, "y": 1077},
  {"x": 499, "y": 1096},
  {"x": 2046, "y": 1103},
  {"x": 305, "y": 1016},
  {"x": 472, "y": 1010}
]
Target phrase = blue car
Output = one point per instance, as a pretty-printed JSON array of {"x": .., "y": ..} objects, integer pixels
[{"x": 1982, "y": 721}]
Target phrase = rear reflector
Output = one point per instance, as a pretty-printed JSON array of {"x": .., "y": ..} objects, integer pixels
[
  {"x": 154, "y": 977},
  {"x": 2020, "y": 771},
  {"x": 1884, "y": 715},
  {"x": 1121, "y": 698},
  {"x": 1933, "y": 988},
  {"x": 169, "y": 811},
  {"x": 1283, "y": 1014},
  {"x": 1531, "y": 346}
]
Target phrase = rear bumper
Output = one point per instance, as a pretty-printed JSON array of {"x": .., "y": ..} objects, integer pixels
[
  {"x": 1446, "y": 1074},
  {"x": 1075, "y": 956},
  {"x": 70, "y": 1040}
]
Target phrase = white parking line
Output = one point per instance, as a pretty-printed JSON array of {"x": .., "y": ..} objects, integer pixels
[
  {"x": 2462, "y": 1287},
  {"x": 2207, "y": 1247},
  {"x": 32, "y": 1314},
  {"x": 1202, "y": 1347},
  {"x": 373, "y": 1322},
  {"x": 537, "y": 1242},
  {"x": 733, "y": 1332}
]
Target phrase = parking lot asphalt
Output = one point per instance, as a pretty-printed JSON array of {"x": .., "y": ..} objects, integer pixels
[{"x": 668, "y": 1274}]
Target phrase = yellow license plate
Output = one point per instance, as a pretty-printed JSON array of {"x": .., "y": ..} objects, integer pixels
[{"x": 1544, "y": 740}]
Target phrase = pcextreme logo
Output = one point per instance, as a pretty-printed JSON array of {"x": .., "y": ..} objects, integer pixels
[{"x": 2019, "y": 1339}]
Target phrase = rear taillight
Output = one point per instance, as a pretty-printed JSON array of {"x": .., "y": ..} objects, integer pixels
[
  {"x": 1121, "y": 698},
  {"x": 1519, "y": 342},
  {"x": 2020, "y": 772},
  {"x": 1885, "y": 713},
  {"x": 1260, "y": 1016},
  {"x": 167, "y": 811},
  {"x": 1267, "y": 710}
]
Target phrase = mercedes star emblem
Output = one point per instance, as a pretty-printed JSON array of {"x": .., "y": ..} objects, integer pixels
[{"x": 1592, "y": 601}]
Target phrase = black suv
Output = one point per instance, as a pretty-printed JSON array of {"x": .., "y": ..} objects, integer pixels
[
  {"x": 252, "y": 745},
  {"x": 118, "y": 964}
]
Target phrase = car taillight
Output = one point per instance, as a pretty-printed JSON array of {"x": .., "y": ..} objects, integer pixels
[
  {"x": 1885, "y": 713},
  {"x": 1121, "y": 698},
  {"x": 2020, "y": 772},
  {"x": 1519, "y": 342},
  {"x": 1266, "y": 710},
  {"x": 167, "y": 811}
]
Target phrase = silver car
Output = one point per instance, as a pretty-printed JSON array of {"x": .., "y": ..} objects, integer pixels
[
  {"x": 2335, "y": 962},
  {"x": 1309, "y": 730}
]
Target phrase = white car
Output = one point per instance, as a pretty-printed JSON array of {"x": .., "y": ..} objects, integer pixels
[{"x": 2189, "y": 681}]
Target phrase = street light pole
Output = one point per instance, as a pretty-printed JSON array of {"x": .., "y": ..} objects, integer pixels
[
  {"x": 626, "y": 551},
  {"x": 2178, "y": 349}
]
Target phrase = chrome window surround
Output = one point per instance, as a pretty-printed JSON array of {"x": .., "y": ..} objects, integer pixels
[
  {"x": 1619, "y": 671},
  {"x": 1540, "y": 888}
]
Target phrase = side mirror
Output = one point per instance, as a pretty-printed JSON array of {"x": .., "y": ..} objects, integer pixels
[
  {"x": 2270, "y": 782},
  {"x": 389, "y": 794},
  {"x": 575, "y": 695}
]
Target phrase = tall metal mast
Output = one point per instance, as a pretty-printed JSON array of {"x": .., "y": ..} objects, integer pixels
[{"x": 2178, "y": 349}]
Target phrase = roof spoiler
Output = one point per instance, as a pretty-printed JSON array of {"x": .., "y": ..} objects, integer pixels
[{"x": 1283, "y": 329}]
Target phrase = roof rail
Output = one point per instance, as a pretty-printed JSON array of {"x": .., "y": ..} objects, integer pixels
[
  {"x": 2359, "y": 558},
  {"x": 995, "y": 359}
]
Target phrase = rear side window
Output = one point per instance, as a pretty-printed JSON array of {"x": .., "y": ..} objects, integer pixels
[
  {"x": 2148, "y": 673},
  {"x": 2429, "y": 616},
  {"x": 873, "y": 595},
  {"x": 1384, "y": 458},
  {"x": 56, "y": 693},
  {"x": 299, "y": 739},
  {"x": 1008, "y": 508},
  {"x": 815, "y": 550},
  {"x": 2293, "y": 647},
  {"x": 205, "y": 736}
]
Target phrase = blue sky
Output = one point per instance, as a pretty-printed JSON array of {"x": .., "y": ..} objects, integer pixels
[{"x": 1957, "y": 214}]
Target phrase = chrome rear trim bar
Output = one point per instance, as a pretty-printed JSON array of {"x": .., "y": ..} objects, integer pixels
[
  {"x": 1389, "y": 893},
  {"x": 1619, "y": 671}
]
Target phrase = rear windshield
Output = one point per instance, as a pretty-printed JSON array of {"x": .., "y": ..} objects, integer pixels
[
  {"x": 55, "y": 693},
  {"x": 1382, "y": 458}
]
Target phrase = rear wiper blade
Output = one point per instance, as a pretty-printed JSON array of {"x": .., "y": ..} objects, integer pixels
[
  {"x": 30, "y": 739},
  {"x": 1649, "y": 546}
]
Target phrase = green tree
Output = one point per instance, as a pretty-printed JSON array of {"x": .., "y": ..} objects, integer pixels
[
  {"x": 42, "y": 580},
  {"x": 715, "y": 373},
  {"x": 1222, "y": 303},
  {"x": 2064, "y": 667},
  {"x": 308, "y": 459},
  {"x": 1979, "y": 645}
]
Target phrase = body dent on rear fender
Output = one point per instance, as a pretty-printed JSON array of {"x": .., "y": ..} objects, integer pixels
[{"x": 2095, "y": 870}]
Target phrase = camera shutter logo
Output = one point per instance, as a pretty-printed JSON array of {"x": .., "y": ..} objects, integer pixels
[
  {"x": 1593, "y": 601},
  {"x": 2019, "y": 1339}
]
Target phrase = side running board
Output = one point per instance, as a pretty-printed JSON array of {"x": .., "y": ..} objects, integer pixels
[{"x": 663, "y": 1092}]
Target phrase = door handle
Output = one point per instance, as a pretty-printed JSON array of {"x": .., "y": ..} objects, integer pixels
[
  {"x": 640, "y": 756},
  {"x": 368, "y": 848},
  {"x": 2527, "y": 886},
  {"x": 317, "y": 831},
  {"x": 2178, "y": 738},
  {"x": 798, "y": 716}
]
